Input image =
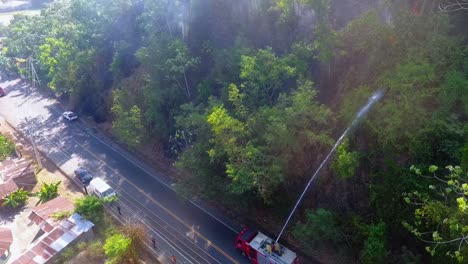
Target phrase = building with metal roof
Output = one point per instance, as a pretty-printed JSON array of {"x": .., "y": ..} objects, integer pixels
[
  {"x": 43, "y": 215},
  {"x": 21, "y": 171},
  {"x": 49, "y": 245}
]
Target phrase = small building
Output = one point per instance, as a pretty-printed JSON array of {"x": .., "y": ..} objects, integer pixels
[
  {"x": 49, "y": 245},
  {"x": 6, "y": 238},
  {"x": 43, "y": 215},
  {"x": 21, "y": 171}
]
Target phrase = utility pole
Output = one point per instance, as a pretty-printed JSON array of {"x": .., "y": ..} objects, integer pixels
[
  {"x": 32, "y": 73},
  {"x": 36, "y": 152},
  {"x": 34, "y": 79}
]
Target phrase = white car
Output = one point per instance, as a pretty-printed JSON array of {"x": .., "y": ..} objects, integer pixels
[
  {"x": 100, "y": 188},
  {"x": 70, "y": 116}
]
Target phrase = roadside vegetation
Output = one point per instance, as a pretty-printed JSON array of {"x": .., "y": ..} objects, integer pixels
[
  {"x": 248, "y": 112},
  {"x": 7, "y": 147},
  {"x": 113, "y": 243}
]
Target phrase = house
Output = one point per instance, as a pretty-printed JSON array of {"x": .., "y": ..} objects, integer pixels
[
  {"x": 49, "y": 245},
  {"x": 55, "y": 234},
  {"x": 21, "y": 171},
  {"x": 43, "y": 215}
]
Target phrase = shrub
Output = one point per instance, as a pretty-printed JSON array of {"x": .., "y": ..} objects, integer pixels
[
  {"x": 90, "y": 207},
  {"x": 117, "y": 246},
  {"x": 95, "y": 249},
  {"x": 48, "y": 192},
  {"x": 346, "y": 162},
  {"x": 321, "y": 225},
  {"x": 16, "y": 199},
  {"x": 374, "y": 248},
  {"x": 7, "y": 147}
]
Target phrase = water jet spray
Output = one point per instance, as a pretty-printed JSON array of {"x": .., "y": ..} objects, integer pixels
[{"x": 376, "y": 96}]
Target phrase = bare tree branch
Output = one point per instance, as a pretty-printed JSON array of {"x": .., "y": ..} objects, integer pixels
[{"x": 452, "y": 5}]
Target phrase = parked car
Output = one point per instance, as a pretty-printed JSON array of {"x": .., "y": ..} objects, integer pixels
[
  {"x": 83, "y": 175},
  {"x": 2, "y": 92},
  {"x": 100, "y": 188},
  {"x": 70, "y": 116}
]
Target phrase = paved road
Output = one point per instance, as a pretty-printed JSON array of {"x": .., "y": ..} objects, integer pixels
[{"x": 182, "y": 228}]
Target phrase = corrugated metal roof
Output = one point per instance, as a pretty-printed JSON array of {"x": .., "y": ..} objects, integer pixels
[
  {"x": 13, "y": 168},
  {"x": 42, "y": 215},
  {"x": 6, "y": 238},
  {"x": 7, "y": 188},
  {"x": 50, "y": 243}
]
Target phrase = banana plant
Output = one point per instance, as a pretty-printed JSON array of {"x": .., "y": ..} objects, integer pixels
[
  {"x": 16, "y": 199},
  {"x": 48, "y": 192}
]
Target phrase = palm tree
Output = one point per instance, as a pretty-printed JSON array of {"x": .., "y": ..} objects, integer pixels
[{"x": 48, "y": 192}]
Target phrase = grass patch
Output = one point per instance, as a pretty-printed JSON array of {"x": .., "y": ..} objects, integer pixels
[{"x": 83, "y": 252}]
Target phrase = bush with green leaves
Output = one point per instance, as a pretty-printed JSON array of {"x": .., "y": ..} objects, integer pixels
[
  {"x": 7, "y": 147},
  {"x": 90, "y": 207},
  {"x": 125, "y": 243},
  {"x": 48, "y": 192},
  {"x": 127, "y": 124},
  {"x": 110, "y": 199},
  {"x": 321, "y": 225},
  {"x": 117, "y": 246},
  {"x": 374, "y": 250},
  {"x": 346, "y": 162},
  {"x": 16, "y": 199}
]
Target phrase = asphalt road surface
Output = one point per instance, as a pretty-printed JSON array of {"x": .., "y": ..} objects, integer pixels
[{"x": 190, "y": 232}]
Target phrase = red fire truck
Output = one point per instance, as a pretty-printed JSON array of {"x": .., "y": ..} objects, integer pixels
[{"x": 261, "y": 249}]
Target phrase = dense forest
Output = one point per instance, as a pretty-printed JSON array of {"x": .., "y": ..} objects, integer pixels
[{"x": 247, "y": 97}]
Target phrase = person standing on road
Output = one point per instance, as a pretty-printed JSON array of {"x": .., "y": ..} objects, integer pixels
[{"x": 174, "y": 261}]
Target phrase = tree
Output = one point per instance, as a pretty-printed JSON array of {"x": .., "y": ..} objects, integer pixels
[
  {"x": 127, "y": 124},
  {"x": 374, "y": 250},
  {"x": 320, "y": 226},
  {"x": 56, "y": 56},
  {"x": 455, "y": 91},
  {"x": 439, "y": 218},
  {"x": 452, "y": 5},
  {"x": 264, "y": 76},
  {"x": 48, "y": 192},
  {"x": 404, "y": 113},
  {"x": 464, "y": 157},
  {"x": 90, "y": 207},
  {"x": 117, "y": 246},
  {"x": 166, "y": 62},
  {"x": 346, "y": 162}
]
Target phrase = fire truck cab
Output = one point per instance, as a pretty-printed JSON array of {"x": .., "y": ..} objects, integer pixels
[{"x": 260, "y": 249}]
